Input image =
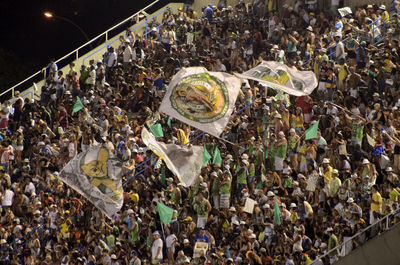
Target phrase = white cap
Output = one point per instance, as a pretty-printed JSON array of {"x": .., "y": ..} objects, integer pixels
[
  {"x": 252, "y": 236},
  {"x": 204, "y": 184},
  {"x": 329, "y": 229},
  {"x": 246, "y": 32},
  {"x": 214, "y": 174},
  {"x": 292, "y": 130},
  {"x": 389, "y": 169},
  {"x": 244, "y": 156},
  {"x": 335, "y": 171},
  {"x": 232, "y": 209},
  {"x": 323, "y": 245},
  {"x": 270, "y": 194},
  {"x": 350, "y": 200},
  {"x": 266, "y": 206},
  {"x": 3, "y": 241},
  {"x": 281, "y": 133},
  {"x": 295, "y": 183},
  {"x": 325, "y": 161},
  {"x": 279, "y": 116},
  {"x": 185, "y": 241},
  {"x": 283, "y": 205},
  {"x": 37, "y": 212},
  {"x": 293, "y": 205},
  {"x": 235, "y": 222},
  {"x": 242, "y": 222},
  {"x": 245, "y": 162},
  {"x": 365, "y": 161},
  {"x": 113, "y": 256},
  {"x": 130, "y": 211}
]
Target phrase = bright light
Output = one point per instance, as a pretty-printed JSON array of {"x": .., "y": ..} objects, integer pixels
[{"x": 48, "y": 14}]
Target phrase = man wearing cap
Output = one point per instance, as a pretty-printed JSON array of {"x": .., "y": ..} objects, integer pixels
[
  {"x": 242, "y": 177},
  {"x": 353, "y": 212},
  {"x": 134, "y": 258},
  {"x": 326, "y": 170},
  {"x": 281, "y": 149},
  {"x": 334, "y": 183},
  {"x": 156, "y": 249}
]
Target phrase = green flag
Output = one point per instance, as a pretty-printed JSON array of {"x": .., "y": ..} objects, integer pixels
[
  {"x": 217, "y": 157},
  {"x": 311, "y": 132},
  {"x": 165, "y": 213},
  {"x": 156, "y": 130},
  {"x": 78, "y": 105},
  {"x": 163, "y": 178},
  {"x": 169, "y": 122},
  {"x": 206, "y": 156},
  {"x": 277, "y": 213},
  {"x": 265, "y": 154}
]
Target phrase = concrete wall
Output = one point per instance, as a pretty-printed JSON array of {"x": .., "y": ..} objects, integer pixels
[{"x": 381, "y": 250}]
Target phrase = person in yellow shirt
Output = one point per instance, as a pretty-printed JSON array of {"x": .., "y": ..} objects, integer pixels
[
  {"x": 334, "y": 183},
  {"x": 393, "y": 196},
  {"x": 376, "y": 205},
  {"x": 342, "y": 70},
  {"x": 327, "y": 170}
]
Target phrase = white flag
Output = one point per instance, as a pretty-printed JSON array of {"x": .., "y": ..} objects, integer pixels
[
  {"x": 96, "y": 175},
  {"x": 280, "y": 76},
  {"x": 202, "y": 99},
  {"x": 184, "y": 161}
]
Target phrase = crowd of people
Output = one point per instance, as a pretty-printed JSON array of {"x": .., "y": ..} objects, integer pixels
[{"x": 327, "y": 189}]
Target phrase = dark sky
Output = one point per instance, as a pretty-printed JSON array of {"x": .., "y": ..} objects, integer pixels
[{"x": 27, "y": 38}]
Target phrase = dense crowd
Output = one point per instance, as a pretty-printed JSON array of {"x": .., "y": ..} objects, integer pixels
[{"x": 327, "y": 189}]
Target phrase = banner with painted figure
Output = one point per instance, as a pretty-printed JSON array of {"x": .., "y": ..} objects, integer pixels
[
  {"x": 280, "y": 76},
  {"x": 184, "y": 161},
  {"x": 202, "y": 99},
  {"x": 96, "y": 175}
]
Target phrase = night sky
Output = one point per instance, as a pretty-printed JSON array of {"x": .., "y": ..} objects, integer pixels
[{"x": 29, "y": 41}]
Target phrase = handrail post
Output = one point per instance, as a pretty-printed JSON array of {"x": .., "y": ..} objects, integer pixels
[
  {"x": 146, "y": 30},
  {"x": 106, "y": 36},
  {"x": 77, "y": 54}
]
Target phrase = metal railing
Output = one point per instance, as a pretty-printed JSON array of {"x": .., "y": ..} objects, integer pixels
[
  {"x": 383, "y": 224},
  {"x": 76, "y": 51}
]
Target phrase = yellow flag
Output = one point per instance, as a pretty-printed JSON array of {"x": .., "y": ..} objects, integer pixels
[{"x": 370, "y": 140}]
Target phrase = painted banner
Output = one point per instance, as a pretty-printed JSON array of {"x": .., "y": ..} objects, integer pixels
[
  {"x": 202, "y": 99},
  {"x": 96, "y": 175},
  {"x": 280, "y": 76},
  {"x": 184, "y": 161}
]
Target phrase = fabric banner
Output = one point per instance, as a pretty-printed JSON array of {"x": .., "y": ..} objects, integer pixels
[
  {"x": 96, "y": 175},
  {"x": 202, "y": 99},
  {"x": 185, "y": 162},
  {"x": 280, "y": 76},
  {"x": 344, "y": 11}
]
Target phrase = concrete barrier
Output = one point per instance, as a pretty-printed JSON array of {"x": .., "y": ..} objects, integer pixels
[{"x": 383, "y": 249}]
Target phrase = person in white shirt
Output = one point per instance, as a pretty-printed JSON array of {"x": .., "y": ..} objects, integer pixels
[
  {"x": 5, "y": 113},
  {"x": 112, "y": 58},
  {"x": 331, "y": 110},
  {"x": 127, "y": 54},
  {"x": 170, "y": 243},
  {"x": 156, "y": 249},
  {"x": 7, "y": 198},
  {"x": 29, "y": 187},
  {"x": 339, "y": 47},
  {"x": 219, "y": 66}
]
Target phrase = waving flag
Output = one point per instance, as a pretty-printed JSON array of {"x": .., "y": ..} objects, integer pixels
[
  {"x": 96, "y": 175},
  {"x": 202, "y": 99},
  {"x": 184, "y": 161},
  {"x": 280, "y": 76}
]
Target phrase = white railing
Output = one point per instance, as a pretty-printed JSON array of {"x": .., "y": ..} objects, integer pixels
[
  {"x": 76, "y": 51},
  {"x": 382, "y": 224}
]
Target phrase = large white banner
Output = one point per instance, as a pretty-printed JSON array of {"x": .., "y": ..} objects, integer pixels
[
  {"x": 96, "y": 175},
  {"x": 280, "y": 76},
  {"x": 184, "y": 161},
  {"x": 201, "y": 99}
]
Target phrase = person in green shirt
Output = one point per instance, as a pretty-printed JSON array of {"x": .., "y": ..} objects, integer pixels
[
  {"x": 332, "y": 243},
  {"x": 242, "y": 177},
  {"x": 225, "y": 190},
  {"x": 215, "y": 189}
]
